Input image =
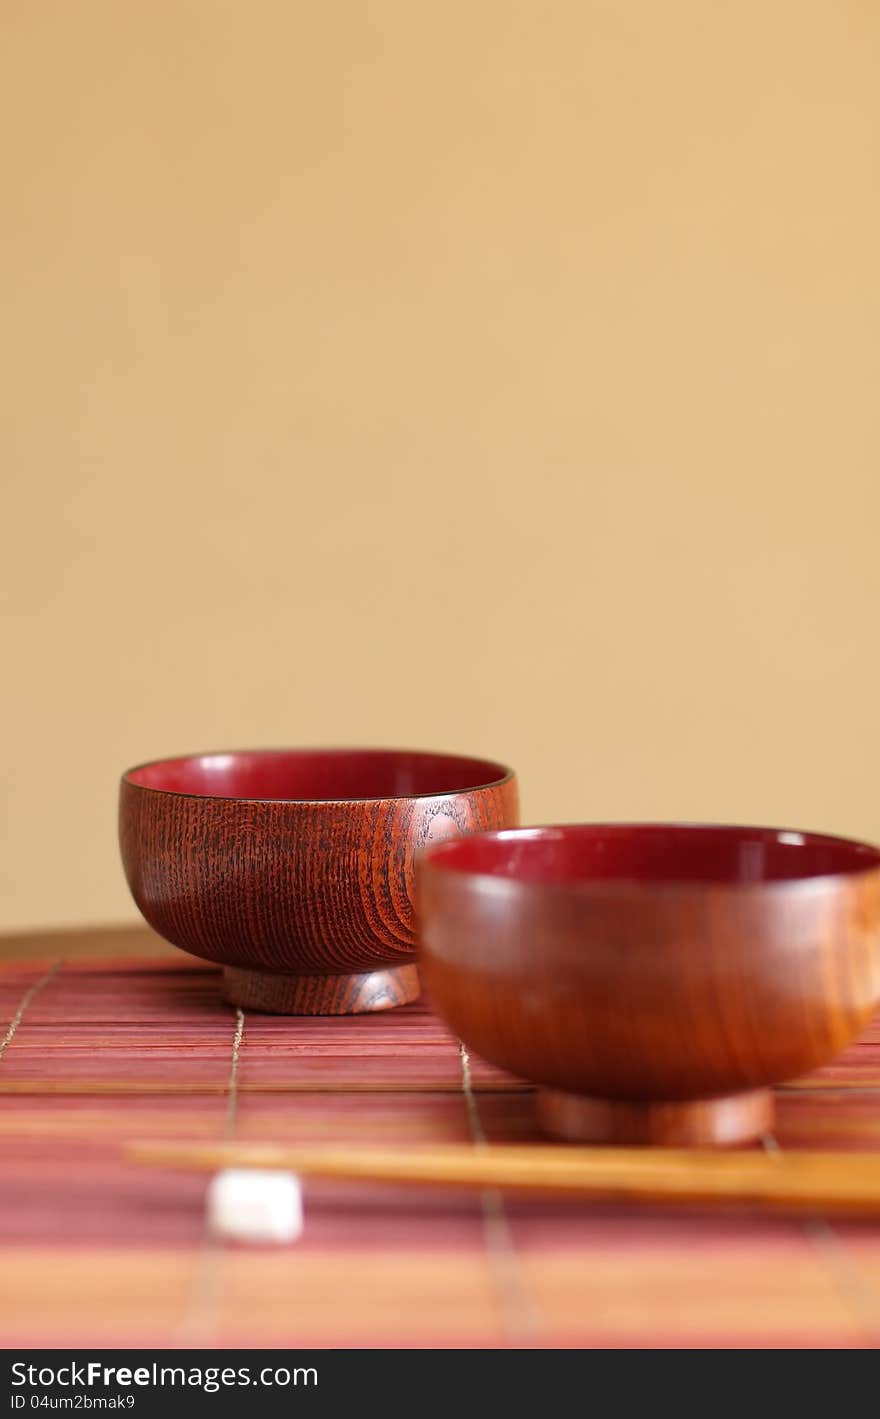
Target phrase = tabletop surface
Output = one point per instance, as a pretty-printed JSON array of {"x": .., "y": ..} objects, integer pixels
[{"x": 109, "y": 1035}]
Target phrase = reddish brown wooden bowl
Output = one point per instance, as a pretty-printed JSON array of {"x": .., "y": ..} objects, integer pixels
[
  {"x": 293, "y": 869},
  {"x": 653, "y": 980}
]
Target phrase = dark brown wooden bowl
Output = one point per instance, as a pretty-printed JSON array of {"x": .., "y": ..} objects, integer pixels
[
  {"x": 293, "y": 869},
  {"x": 653, "y": 980}
]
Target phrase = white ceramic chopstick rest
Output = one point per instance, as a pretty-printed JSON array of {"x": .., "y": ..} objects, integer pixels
[{"x": 255, "y": 1205}]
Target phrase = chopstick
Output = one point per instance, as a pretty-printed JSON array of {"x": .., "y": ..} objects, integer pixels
[{"x": 846, "y": 1184}]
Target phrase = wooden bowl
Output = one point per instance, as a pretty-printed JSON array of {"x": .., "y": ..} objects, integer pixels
[
  {"x": 653, "y": 980},
  {"x": 293, "y": 869}
]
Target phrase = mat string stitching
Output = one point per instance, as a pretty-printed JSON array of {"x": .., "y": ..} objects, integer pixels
[
  {"x": 856, "y": 1293},
  {"x": 518, "y": 1311},
  {"x": 201, "y": 1310},
  {"x": 30, "y": 994},
  {"x": 232, "y": 1086}
]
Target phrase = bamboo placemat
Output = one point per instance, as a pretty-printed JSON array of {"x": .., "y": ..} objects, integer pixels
[{"x": 109, "y": 1036}]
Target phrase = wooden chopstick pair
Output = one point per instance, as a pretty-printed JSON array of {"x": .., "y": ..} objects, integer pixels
[{"x": 845, "y": 1184}]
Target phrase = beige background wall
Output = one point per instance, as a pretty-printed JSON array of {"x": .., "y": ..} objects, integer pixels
[{"x": 485, "y": 375}]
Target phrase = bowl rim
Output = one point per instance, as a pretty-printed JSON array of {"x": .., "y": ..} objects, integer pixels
[
  {"x": 505, "y": 775},
  {"x": 433, "y": 854}
]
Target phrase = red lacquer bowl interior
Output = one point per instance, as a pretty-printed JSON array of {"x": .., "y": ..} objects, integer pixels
[
  {"x": 318, "y": 775},
  {"x": 653, "y": 853}
]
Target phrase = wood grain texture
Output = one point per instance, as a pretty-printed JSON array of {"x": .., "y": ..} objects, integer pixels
[
  {"x": 689, "y": 1123},
  {"x": 314, "y": 888},
  {"x": 278, "y": 994},
  {"x": 655, "y": 992}
]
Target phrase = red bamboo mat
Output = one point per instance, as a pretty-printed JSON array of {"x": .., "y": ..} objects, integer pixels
[{"x": 94, "y": 1251}]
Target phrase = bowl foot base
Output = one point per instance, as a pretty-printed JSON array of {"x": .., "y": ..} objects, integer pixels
[
  {"x": 277, "y": 994},
  {"x": 695, "y": 1123}
]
